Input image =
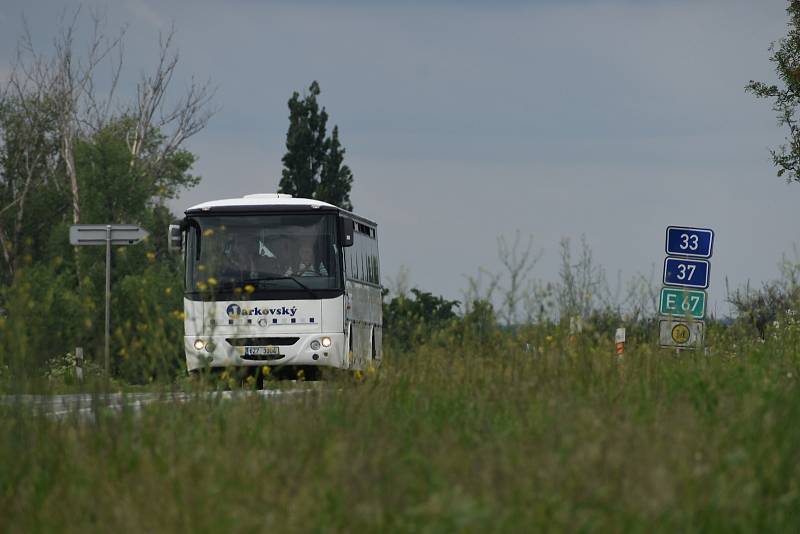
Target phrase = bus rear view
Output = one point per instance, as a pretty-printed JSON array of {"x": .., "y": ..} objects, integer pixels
[{"x": 276, "y": 281}]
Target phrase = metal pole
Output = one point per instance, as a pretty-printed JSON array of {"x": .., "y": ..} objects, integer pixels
[{"x": 108, "y": 299}]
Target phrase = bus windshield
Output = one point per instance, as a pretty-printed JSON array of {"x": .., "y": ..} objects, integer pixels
[{"x": 235, "y": 253}]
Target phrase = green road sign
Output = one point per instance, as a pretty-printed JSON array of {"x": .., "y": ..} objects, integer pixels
[{"x": 683, "y": 302}]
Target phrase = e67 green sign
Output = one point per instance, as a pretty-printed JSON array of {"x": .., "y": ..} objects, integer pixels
[{"x": 679, "y": 302}]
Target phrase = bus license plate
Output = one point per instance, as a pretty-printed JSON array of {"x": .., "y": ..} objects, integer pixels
[{"x": 261, "y": 351}]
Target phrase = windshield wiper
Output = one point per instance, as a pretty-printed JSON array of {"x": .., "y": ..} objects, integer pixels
[{"x": 271, "y": 278}]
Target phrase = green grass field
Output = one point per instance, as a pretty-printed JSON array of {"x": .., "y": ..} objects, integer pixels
[{"x": 444, "y": 439}]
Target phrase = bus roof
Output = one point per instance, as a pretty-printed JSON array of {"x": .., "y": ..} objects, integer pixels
[{"x": 266, "y": 200}]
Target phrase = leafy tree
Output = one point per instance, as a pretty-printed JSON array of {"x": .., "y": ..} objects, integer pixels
[
  {"x": 786, "y": 99},
  {"x": 478, "y": 327},
  {"x": 69, "y": 154},
  {"x": 146, "y": 279},
  {"x": 313, "y": 164},
  {"x": 29, "y": 188},
  {"x": 410, "y": 322}
]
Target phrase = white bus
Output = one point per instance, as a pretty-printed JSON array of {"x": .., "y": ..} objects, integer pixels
[{"x": 278, "y": 281}]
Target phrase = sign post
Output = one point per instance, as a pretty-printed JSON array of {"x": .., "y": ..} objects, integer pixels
[
  {"x": 106, "y": 234},
  {"x": 682, "y": 304}
]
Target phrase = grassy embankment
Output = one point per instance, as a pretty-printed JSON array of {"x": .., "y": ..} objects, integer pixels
[{"x": 444, "y": 439}]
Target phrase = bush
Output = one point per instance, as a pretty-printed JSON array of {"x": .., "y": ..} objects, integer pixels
[
  {"x": 410, "y": 322},
  {"x": 48, "y": 316}
]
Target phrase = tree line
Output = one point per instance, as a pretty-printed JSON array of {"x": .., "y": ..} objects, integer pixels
[{"x": 73, "y": 150}]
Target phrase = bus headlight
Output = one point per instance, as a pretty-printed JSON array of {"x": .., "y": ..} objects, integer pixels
[
  {"x": 199, "y": 344},
  {"x": 315, "y": 345},
  {"x": 326, "y": 342}
]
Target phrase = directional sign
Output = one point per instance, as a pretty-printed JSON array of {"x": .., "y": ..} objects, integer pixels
[
  {"x": 681, "y": 334},
  {"x": 686, "y": 273},
  {"x": 682, "y": 303},
  {"x": 97, "y": 234},
  {"x": 685, "y": 241},
  {"x": 106, "y": 234}
]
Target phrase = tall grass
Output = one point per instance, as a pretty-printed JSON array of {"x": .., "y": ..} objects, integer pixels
[{"x": 448, "y": 437}]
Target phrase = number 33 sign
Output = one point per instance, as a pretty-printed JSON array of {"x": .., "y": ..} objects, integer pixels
[{"x": 694, "y": 242}]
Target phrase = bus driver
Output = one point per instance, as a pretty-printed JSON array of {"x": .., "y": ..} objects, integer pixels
[{"x": 306, "y": 264}]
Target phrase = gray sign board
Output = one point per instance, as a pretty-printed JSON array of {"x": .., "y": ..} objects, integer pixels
[{"x": 97, "y": 234}]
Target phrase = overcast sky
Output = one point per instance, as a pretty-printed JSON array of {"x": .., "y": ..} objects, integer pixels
[{"x": 466, "y": 120}]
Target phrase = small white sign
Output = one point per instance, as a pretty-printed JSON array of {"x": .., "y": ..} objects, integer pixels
[
  {"x": 619, "y": 337},
  {"x": 675, "y": 333}
]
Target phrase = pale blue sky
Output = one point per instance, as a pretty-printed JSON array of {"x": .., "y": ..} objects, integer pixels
[{"x": 467, "y": 120}]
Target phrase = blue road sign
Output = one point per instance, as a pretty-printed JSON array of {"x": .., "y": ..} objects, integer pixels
[
  {"x": 686, "y": 273},
  {"x": 685, "y": 241}
]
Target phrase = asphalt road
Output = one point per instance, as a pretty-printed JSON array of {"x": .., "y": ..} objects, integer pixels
[{"x": 86, "y": 405}]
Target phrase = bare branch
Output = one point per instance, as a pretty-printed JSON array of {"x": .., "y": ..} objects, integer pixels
[
  {"x": 188, "y": 116},
  {"x": 518, "y": 264}
]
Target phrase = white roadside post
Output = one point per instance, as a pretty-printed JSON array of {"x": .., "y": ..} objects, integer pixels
[
  {"x": 619, "y": 341},
  {"x": 79, "y": 363},
  {"x": 106, "y": 234}
]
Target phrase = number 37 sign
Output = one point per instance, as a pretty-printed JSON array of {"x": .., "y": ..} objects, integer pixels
[{"x": 686, "y": 273}]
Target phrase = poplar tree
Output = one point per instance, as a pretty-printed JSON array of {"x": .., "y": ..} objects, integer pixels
[
  {"x": 313, "y": 164},
  {"x": 335, "y": 178}
]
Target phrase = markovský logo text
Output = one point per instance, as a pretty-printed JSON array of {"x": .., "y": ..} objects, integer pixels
[{"x": 234, "y": 311}]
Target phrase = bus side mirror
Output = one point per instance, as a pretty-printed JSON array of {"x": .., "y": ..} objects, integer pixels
[
  {"x": 348, "y": 227},
  {"x": 175, "y": 238}
]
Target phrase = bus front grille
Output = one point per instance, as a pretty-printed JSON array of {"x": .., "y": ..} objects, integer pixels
[
  {"x": 262, "y": 341},
  {"x": 261, "y": 357}
]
